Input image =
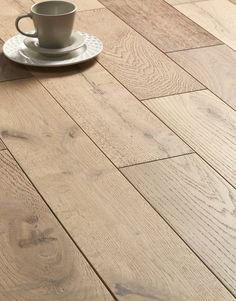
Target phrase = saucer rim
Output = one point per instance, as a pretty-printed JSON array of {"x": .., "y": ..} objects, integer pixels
[
  {"x": 51, "y": 51},
  {"x": 64, "y": 63}
]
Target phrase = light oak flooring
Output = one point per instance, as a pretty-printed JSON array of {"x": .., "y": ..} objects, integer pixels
[
  {"x": 216, "y": 16},
  {"x": 118, "y": 176}
]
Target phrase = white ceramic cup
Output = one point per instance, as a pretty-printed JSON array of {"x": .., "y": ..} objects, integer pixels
[{"x": 53, "y": 21}]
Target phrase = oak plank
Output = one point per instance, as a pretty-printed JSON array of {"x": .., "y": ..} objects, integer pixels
[
  {"x": 37, "y": 258},
  {"x": 206, "y": 123},
  {"x": 10, "y": 9},
  {"x": 132, "y": 248},
  {"x": 137, "y": 64},
  {"x": 215, "y": 67},
  {"x": 161, "y": 24},
  {"x": 2, "y": 146},
  {"x": 198, "y": 203},
  {"x": 119, "y": 124},
  {"x": 216, "y": 16},
  {"x": 10, "y": 70}
]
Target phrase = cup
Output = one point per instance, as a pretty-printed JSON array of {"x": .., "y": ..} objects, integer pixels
[{"x": 53, "y": 22}]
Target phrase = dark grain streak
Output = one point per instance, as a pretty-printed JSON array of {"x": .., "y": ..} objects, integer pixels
[
  {"x": 36, "y": 238},
  {"x": 123, "y": 291},
  {"x": 14, "y": 134}
]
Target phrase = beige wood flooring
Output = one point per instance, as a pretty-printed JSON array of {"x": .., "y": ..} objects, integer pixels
[{"x": 118, "y": 176}]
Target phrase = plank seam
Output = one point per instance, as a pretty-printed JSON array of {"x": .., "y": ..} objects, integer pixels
[
  {"x": 188, "y": 92},
  {"x": 176, "y": 232},
  {"x": 198, "y": 256},
  {"x": 166, "y": 54},
  {"x": 157, "y": 160},
  {"x": 2, "y": 146},
  {"x": 175, "y": 7},
  {"x": 63, "y": 227},
  {"x": 192, "y": 20},
  {"x": 220, "y": 41},
  {"x": 200, "y": 47},
  {"x": 189, "y": 146}
]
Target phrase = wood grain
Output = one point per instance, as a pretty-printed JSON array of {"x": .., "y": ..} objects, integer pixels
[
  {"x": 138, "y": 65},
  {"x": 2, "y": 146},
  {"x": 37, "y": 258},
  {"x": 131, "y": 247},
  {"x": 119, "y": 124},
  {"x": 175, "y": 2},
  {"x": 206, "y": 124},
  {"x": 10, "y": 9},
  {"x": 161, "y": 24},
  {"x": 216, "y": 16},
  {"x": 10, "y": 70},
  {"x": 199, "y": 205},
  {"x": 215, "y": 67},
  {"x": 84, "y": 4}
]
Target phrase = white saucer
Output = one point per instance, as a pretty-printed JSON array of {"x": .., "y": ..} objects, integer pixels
[
  {"x": 77, "y": 40},
  {"x": 15, "y": 50}
]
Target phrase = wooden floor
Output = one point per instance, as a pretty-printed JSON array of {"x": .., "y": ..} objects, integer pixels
[{"x": 118, "y": 176}]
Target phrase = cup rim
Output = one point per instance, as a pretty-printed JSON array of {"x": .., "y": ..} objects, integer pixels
[{"x": 74, "y": 10}]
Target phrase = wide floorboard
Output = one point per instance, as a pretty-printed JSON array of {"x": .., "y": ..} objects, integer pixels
[{"x": 118, "y": 175}]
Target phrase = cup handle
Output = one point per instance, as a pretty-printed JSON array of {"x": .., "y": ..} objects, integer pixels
[{"x": 29, "y": 15}]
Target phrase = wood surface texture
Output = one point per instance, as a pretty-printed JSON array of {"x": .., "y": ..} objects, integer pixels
[
  {"x": 10, "y": 9},
  {"x": 206, "y": 124},
  {"x": 137, "y": 64},
  {"x": 2, "y": 146},
  {"x": 10, "y": 70},
  {"x": 119, "y": 124},
  {"x": 132, "y": 248},
  {"x": 215, "y": 67},
  {"x": 161, "y": 24},
  {"x": 38, "y": 261},
  {"x": 118, "y": 175},
  {"x": 216, "y": 16},
  {"x": 199, "y": 205}
]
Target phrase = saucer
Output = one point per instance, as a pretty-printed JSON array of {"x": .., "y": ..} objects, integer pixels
[
  {"x": 77, "y": 40},
  {"x": 15, "y": 50}
]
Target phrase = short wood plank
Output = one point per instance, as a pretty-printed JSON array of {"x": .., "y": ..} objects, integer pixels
[
  {"x": 38, "y": 261},
  {"x": 2, "y": 146},
  {"x": 132, "y": 248},
  {"x": 84, "y": 4},
  {"x": 10, "y": 70},
  {"x": 216, "y": 16},
  {"x": 119, "y": 124},
  {"x": 198, "y": 203},
  {"x": 161, "y": 24},
  {"x": 215, "y": 67},
  {"x": 137, "y": 64},
  {"x": 206, "y": 123}
]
